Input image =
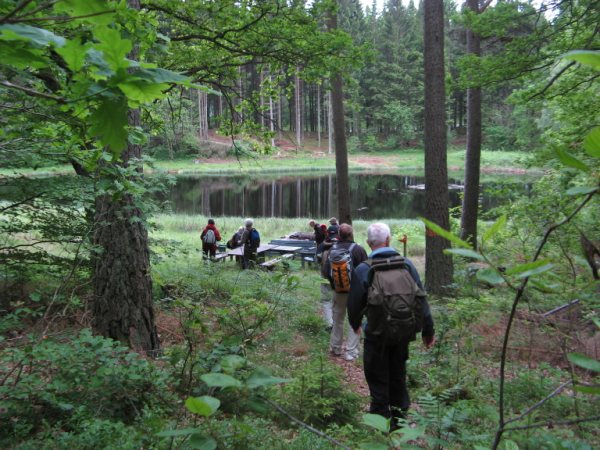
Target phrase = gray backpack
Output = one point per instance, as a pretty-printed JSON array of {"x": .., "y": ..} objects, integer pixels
[
  {"x": 209, "y": 237},
  {"x": 394, "y": 303}
]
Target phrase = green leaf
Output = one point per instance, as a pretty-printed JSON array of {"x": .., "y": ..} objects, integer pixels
[
  {"x": 496, "y": 226},
  {"x": 178, "y": 433},
  {"x": 204, "y": 406},
  {"x": 98, "y": 11},
  {"x": 542, "y": 287},
  {"x": 536, "y": 270},
  {"x": 376, "y": 421},
  {"x": 260, "y": 378},
  {"x": 527, "y": 266},
  {"x": 231, "y": 363},
  {"x": 21, "y": 57},
  {"x": 569, "y": 160},
  {"x": 490, "y": 276},
  {"x": 588, "y": 389},
  {"x": 591, "y": 143},
  {"x": 202, "y": 442},
  {"x": 510, "y": 445},
  {"x": 445, "y": 234},
  {"x": 587, "y": 57},
  {"x": 142, "y": 91},
  {"x": 465, "y": 252},
  {"x": 73, "y": 52},
  {"x": 220, "y": 380},
  {"x": 160, "y": 76},
  {"x": 410, "y": 434},
  {"x": 584, "y": 361},
  {"x": 113, "y": 47},
  {"x": 38, "y": 36},
  {"x": 109, "y": 122},
  {"x": 581, "y": 190}
]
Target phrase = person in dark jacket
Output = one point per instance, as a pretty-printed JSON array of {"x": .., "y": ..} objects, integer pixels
[
  {"x": 340, "y": 299},
  {"x": 333, "y": 229},
  {"x": 319, "y": 233},
  {"x": 209, "y": 248},
  {"x": 250, "y": 247},
  {"x": 326, "y": 291},
  {"x": 384, "y": 363},
  {"x": 236, "y": 239}
]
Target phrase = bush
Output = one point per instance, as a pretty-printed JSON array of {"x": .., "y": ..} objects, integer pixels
[
  {"x": 317, "y": 395},
  {"x": 63, "y": 384}
]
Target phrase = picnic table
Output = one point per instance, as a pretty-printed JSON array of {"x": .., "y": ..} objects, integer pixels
[{"x": 240, "y": 250}]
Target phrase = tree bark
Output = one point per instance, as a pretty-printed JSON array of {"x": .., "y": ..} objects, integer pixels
[
  {"x": 339, "y": 133},
  {"x": 438, "y": 266},
  {"x": 470, "y": 206},
  {"x": 122, "y": 305}
]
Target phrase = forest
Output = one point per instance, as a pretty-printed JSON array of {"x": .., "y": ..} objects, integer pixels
[{"x": 471, "y": 129}]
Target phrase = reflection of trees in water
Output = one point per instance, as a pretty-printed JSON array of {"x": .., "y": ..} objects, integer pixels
[{"x": 372, "y": 196}]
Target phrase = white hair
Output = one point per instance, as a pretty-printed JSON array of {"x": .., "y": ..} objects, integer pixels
[
  {"x": 248, "y": 223},
  {"x": 377, "y": 233}
]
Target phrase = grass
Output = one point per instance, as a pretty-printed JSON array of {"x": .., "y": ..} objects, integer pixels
[
  {"x": 405, "y": 160},
  {"x": 186, "y": 229}
]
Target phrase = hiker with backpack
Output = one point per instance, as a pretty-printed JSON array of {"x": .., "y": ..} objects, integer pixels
[
  {"x": 210, "y": 236},
  {"x": 333, "y": 229},
  {"x": 321, "y": 257},
  {"x": 343, "y": 257},
  {"x": 320, "y": 231},
  {"x": 236, "y": 239},
  {"x": 250, "y": 241},
  {"x": 388, "y": 291}
]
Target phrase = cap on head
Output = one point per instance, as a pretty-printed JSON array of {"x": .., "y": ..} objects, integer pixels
[
  {"x": 332, "y": 220},
  {"x": 311, "y": 223},
  {"x": 248, "y": 223}
]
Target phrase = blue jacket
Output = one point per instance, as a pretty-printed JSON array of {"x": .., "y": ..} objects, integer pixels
[{"x": 359, "y": 288}]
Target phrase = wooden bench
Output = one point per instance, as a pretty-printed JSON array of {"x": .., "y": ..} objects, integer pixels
[
  {"x": 270, "y": 265},
  {"x": 306, "y": 252},
  {"x": 218, "y": 257}
]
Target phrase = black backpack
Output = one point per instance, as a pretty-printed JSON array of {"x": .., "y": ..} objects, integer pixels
[{"x": 395, "y": 304}]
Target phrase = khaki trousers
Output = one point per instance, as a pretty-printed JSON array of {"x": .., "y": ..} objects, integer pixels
[{"x": 340, "y": 322}]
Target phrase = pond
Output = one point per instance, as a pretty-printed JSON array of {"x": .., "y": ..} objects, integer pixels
[{"x": 372, "y": 196}]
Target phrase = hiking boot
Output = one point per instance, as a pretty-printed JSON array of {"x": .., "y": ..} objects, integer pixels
[{"x": 349, "y": 357}]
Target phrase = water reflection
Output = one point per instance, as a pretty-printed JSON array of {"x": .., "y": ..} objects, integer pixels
[{"x": 372, "y": 196}]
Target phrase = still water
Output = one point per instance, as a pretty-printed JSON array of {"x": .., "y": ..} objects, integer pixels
[{"x": 372, "y": 196}]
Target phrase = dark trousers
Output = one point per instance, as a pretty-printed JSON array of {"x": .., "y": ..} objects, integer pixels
[
  {"x": 249, "y": 258},
  {"x": 385, "y": 371},
  {"x": 209, "y": 249}
]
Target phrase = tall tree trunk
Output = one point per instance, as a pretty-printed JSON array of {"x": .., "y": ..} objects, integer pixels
[
  {"x": 122, "y": 305},
  {"x": 298, "y": 109},
  {"x": 470, "y": 206},
  {"x": 319, "y": 116},
  {"x": 339, "y": 132},
  {"x": 438, "y": 266},
  {"x": 202, "y": 116},
  {"x": 329, "y": 124}
]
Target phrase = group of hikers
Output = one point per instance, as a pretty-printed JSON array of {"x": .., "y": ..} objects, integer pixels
[
  {"x": 385, "y": 289},
  {"x": 246, "y": 236},
  {"x": 379, "y": 294}
]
